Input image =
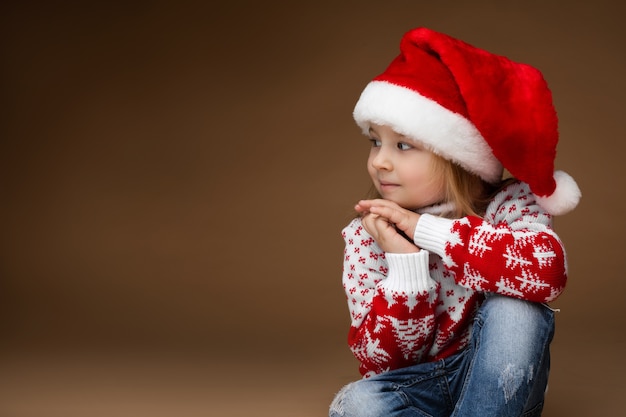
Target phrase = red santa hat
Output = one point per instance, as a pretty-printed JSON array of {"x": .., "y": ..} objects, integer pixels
[{"x": 477, "y": 109}]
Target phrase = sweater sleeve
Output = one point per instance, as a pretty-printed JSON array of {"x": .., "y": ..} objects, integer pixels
[
  {"x": 391, "y": 298},
  {"x": 512, "y": 251}
]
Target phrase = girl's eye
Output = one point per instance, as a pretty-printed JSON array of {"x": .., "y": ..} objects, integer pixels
[
  {"x": 404, "y": 146},
  {"x": 376, "y": 143}
]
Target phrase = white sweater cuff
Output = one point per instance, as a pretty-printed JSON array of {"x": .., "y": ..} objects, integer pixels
[
  {"x": 432, "y": 233},
  {"x": 408, "y": 273}
]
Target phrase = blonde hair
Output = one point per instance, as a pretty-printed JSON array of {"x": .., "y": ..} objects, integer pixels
[{"x": 468, "y": 193}]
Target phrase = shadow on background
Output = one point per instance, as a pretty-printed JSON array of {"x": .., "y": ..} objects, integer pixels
[{"x": 175, "y": 176}]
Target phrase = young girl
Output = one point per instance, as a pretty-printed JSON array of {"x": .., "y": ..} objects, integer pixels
[{"x": 448, "y": 270}]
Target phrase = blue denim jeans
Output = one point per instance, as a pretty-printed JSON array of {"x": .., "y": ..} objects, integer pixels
[{"x": 503, "y": 372}]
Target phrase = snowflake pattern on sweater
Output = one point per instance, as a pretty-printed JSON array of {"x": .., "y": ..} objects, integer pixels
[{"x": 412, "y": 308}]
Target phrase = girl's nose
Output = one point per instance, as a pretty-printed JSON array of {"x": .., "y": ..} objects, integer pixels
[{"x": 381, "y": 160}]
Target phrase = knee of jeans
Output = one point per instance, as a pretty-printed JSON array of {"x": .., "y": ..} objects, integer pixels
[
  {"x": 521, "y": 323},
  {"x": 514, "y": 340},
  {"x": 355, "y": 400}
]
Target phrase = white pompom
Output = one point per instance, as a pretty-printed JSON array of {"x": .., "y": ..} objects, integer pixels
[{"x": 564, "y": 198}]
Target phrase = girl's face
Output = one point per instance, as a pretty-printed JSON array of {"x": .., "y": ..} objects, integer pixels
[{"x": 401, "y": 170}]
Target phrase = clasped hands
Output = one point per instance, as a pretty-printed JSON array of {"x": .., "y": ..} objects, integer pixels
[{"x": 385, "y": 220}]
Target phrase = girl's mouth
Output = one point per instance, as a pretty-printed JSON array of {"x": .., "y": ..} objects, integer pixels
[{"x": 387, "y": 185}]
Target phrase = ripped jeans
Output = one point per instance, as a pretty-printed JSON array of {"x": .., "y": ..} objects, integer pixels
[{"x": 503, "y": 372}]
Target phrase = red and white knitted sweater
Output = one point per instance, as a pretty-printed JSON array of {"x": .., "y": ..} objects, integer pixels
[{"x": 418, "y": 307}]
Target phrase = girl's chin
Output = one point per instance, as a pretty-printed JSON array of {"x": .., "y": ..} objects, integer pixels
[
  {"x": 407, "y": 205},
  {"x": 402, "y": 203}
]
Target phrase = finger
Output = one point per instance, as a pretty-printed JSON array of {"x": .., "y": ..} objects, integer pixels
[
  {"x": 371, "y": 204},
  {"x": 404, "y": 220},
  {"x": 375, "y": 225},
  {"x": 361, "y": 208},
  {"x": 394, "y": 215},
  {"x": 369, "y": 224},
  {"x": 389, "y": 210}
]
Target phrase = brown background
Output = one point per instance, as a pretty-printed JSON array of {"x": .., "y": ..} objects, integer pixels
[{"x": 175, "y": 176}]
